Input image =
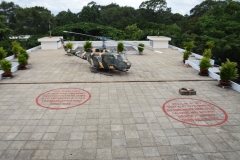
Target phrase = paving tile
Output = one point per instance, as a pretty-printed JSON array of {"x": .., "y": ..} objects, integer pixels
[
  {"x": 4, "y": 144},
  {"x": 131, "y": 134},
  {"x": 73, "y": 154},
  {"x": 89, "y": 143},
  {"x": 9, "y": 154},
  {"x": 104, "y": 154},
  {"x": 135, "y": 152},
  {"x": 60, "y": 145},
  {"x": 166, "y": 150},
  {"x": 119, "y": 153},
  {"x": 49, "y": 136},
  {"x": 176, "y": 140},
  {"x": 46, "y": 145},
  {"x": 25, "y": 154},
  {"x": 16, "y": 145},
  {"x": 40, "y": 154},
  {"x": 56, "y": 154},
  {"x": 118, "y": 134},
  {"x": 88, "y": 154},
  {"x": 119, "y": 142},
  {"x": 200, "y": 156},
  {"x": 215, "y": 156},
  {"x": 133, "y": 143},
  {"x": 31, "y": 145},
  {"x": 150, "y": 151}
]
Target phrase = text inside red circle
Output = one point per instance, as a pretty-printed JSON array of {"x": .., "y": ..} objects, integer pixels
[
  {"x": 195, "y": 112},
  {"x": 63, "y": 98}
]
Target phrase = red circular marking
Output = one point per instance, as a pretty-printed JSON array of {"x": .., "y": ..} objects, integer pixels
[
  {"x": 195, "y": 112},
  {"x": 63, "y": 98}
]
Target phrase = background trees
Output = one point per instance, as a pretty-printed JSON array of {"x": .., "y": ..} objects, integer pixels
[{"x": 211, "y": 20}]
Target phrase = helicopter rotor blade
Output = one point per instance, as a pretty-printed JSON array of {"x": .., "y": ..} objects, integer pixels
[{"x": 82, "y": 34}]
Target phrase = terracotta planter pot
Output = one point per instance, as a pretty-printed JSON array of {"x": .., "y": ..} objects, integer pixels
[
  {"x": 204, "y": 71},
  {"x": 7, "y": 74},
  {"x": 225, "y": 83},
  {"x": 22, "y": 66}
]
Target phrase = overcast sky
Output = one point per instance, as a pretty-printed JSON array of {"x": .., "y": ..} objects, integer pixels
[{"x": 55, "y": 6}]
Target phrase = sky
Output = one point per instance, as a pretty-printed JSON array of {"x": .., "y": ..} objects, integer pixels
[{"x": 55, "y": 6}]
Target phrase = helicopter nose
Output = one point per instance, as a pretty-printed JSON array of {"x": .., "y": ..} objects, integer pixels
[
  {"x": 128, "y": 65},
  {"x": 122, "y": 66}
]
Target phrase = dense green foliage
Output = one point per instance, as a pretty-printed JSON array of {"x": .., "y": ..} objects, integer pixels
[
  {"x": 120, "y": 47},
  {"x": 228, "y": 71},
  {"x": 205, "y": 63},
  {"x": 22, "y": 60},
  {"x": 140, "y": 47},
  {"x": 69, "y": 45},
  {"x": 2, "y": 53},
  {"x": 6, "y": 65},
  {"x": 215, "y": 21},
  {"x": 87, "y": 45}
]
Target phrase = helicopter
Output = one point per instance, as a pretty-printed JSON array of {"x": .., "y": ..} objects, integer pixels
[{"x": 102, "y": 58}]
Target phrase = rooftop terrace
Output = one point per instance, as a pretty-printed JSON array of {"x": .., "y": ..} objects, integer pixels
[{"x": 125, "y": 116}]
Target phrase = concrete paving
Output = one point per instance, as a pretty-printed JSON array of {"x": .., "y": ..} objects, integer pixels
[{"x": 124, "y": 118}]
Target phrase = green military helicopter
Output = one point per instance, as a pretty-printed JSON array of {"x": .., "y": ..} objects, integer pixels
[{"x": 102, "y": 58}]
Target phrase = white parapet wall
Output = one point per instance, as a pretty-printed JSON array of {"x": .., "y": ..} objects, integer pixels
[
  {"x": 50, "y": 42},
  {"x": 159, "y": 41}
]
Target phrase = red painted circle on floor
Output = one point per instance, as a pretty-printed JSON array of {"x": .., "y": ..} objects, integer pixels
[
  {"x": 63, "y": 98},
  {"x": 195, "y": 112}
]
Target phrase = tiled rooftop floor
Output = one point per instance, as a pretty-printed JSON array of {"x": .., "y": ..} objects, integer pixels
[{"x": 123, "y": 118}]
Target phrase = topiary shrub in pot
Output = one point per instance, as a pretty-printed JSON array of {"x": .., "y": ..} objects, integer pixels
[
  {"x": 207, "y": 53},
  {"x": 22, "y": 60},
  {"x": 140, "y": 48},
  {"x": 120, "y": 47},
  {"x": 228, "y": 72},
  {"x": 87, "y": 46},
  {"x": 188, "y": 46},
  {"x": 6, "y": 66},
  {"x": 26, "y": 55},
  {"x": 185, "y": 56},
  {"x": 69, "y": 45},
  {"x": 16, "y": 48},
  {"x": 204, "y": 65},
  {"x": 3, "y": 53}
]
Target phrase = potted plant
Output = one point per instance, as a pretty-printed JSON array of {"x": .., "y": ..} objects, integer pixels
[
  {"x": 120, "y": 47},
  {"x": 22, "y": 60},
  {"x": 185, "y": 56},
  {"x": 188, "y": 46},
  {"x": 140, "y": 48},
  {"x": 69, "y": 46},
  {"x": 6, "y": 66},
  {"x": 16, "y": 48},
  {"x": 228, "y": 72},
  {"x": 207, "y": 53},
  {"x": 204, "y": 66},
  {"x": 87, "y": 46},
  {"x": 26, "y": 55},
  {"x": 2, "y": 53}
]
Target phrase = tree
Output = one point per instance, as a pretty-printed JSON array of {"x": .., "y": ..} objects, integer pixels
[
  {"x": 5, "y": 32},
  {"x": 63, "y": 18},
  {"x": 8, "y": 9},
  {"x": 132, "y": 32},
  {"x": 34, "y": 20},
  {"x": 90, "y": 13}
]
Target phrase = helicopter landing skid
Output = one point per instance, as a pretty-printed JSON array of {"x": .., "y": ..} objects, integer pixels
[{"x": 101, "y": 72}]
